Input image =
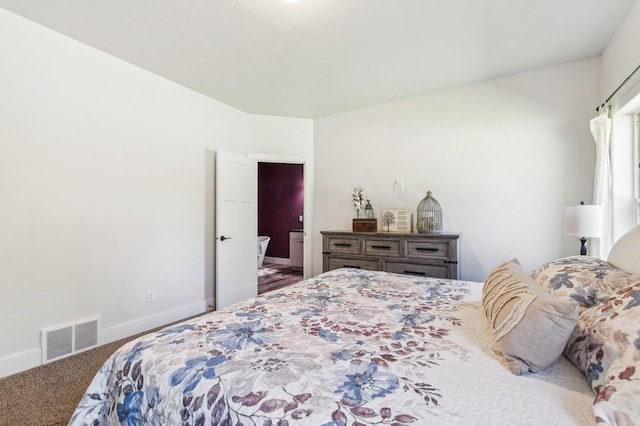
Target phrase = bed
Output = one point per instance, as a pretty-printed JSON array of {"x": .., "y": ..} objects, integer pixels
[{"x": 355, "y": 347}]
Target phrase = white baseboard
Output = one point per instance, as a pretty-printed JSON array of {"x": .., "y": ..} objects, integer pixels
[
  {"x": 278, "y": 260},
  {"x": 16, "y": 363},
  {"x": 19, "y": 362},
  {"x": 121, "y": 331}
]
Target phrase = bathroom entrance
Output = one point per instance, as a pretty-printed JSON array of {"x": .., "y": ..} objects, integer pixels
[{"x": 280, "y": 224}]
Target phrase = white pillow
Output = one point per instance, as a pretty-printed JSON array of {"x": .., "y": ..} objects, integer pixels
[{"x": 625, "y": 253}]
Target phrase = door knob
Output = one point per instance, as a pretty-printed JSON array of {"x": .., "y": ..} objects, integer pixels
[{"x": 222, "y": 238}]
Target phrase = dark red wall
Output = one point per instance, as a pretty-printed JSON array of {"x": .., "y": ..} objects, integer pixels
[{"x": 280, "y": 201}]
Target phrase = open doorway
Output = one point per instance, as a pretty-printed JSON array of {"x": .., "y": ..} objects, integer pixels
[{"x": 280, "y": 224}]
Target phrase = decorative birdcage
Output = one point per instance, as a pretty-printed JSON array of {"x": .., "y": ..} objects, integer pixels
[{"x": 429, "y": 214}]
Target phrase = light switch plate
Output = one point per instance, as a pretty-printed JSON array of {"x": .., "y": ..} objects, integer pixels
[{"x": 398, "y": 185}]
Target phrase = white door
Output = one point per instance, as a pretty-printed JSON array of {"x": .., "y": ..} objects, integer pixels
[{"x": 236, "y": 228}]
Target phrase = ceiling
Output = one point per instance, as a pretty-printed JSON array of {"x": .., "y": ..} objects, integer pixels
[{"x": 320, "y": 57}]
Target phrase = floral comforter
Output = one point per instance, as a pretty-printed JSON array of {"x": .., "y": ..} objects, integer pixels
[{"x": 348, "y": 347}]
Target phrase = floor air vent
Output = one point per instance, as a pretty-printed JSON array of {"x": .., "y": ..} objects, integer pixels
[{"x": 63, "y": 341}]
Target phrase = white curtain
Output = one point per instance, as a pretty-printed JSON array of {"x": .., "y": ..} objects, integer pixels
[{"x": 601, "y": 131}]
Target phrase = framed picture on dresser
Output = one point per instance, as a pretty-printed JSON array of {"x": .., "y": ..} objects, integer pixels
[{"x": 396, "y": 220}]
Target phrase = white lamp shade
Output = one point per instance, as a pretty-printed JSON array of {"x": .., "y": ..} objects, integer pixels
[{"x": 583, "y": 221}]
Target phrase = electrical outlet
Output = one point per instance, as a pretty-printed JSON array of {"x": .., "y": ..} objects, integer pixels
[
  {"x": 151, "y": 296},
  {"x": 398, "y": 185}
]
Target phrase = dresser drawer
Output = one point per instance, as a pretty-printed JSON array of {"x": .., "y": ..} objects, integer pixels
[
  {"x": 345, "y": 262},
  {"x": 382, "y": 247},
  {"x": 429, "y": 249},
  {"x": 344, "y": 245},
  {"x": 420, "y": 269}
]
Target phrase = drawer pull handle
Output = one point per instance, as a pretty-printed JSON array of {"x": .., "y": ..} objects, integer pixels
[
  {"x": 426, "y": 249},
  {"x": 381, "y": 247},
  {"x": 451, "y": 261},
  {"x": 342, "y": 244},
  {"x": 414, "y": 273},
  {"x": 350, "y": 266}
]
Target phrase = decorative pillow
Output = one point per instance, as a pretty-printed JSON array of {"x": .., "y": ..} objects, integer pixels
[
  {"x": 585, "y": 279},
  {"x": 531, "y": 325},
  {"x": 624, "y": 254},
  {"x": 606, "y": 347}
]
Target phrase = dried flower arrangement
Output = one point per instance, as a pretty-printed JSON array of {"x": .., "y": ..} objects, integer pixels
[{"x": 359, "y": 197}]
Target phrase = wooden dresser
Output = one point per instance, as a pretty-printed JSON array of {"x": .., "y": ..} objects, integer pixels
[{"x": 434, "y": 254}]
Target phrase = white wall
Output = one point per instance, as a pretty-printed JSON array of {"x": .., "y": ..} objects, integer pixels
[
  {"x": 283, "y": 135},
  {"x": 106, "y": 189},
  {"x": 619, "y": 59},
  {"x": 502, "y": 157},
  {"x": 622, "y": 54}
]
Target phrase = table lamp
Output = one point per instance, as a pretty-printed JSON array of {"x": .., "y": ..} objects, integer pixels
[{"x": 583, "y": 221}]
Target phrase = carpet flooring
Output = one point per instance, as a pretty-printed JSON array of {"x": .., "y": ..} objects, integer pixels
[{"x": 48, "y": 394}]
